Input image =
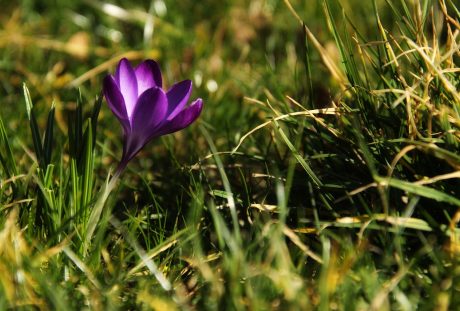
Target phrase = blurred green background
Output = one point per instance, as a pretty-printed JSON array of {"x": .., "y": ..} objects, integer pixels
[{"x": 230, "y": 49}]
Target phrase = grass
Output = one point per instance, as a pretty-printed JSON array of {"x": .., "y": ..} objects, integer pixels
[{"x": 323, "y": 173}]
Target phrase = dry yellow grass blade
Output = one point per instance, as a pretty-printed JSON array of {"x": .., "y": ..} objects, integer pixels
[
  {"x": 265, "y": 207},
  {"x": 398, "y": 157},
  {"x": 436, "y": 69},
  {"x": 18, "y": 284},
  {"x": 437, "y": 178},
  {"x": 14, "y": 203},
  {"x": 4, "y": 183},
  {"x": 309, "y": 113},
  {"x": 407, "y": 93},
  {"x": 447, "y": 16},
  {"x": 296, "y": 240}
]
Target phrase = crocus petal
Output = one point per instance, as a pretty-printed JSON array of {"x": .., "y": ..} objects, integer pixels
[
  {"x": 148, "y": 75},
  {"x": 115, "y": 101},
  {"x": 178, "y": 96},
  {"x": 149, "y": 113},
  {"x": 150, "y": 110},
  {"x": 145, "y": 111},
  {"x": 126, "y": 80},
  {"x": 182, "y": 120},
  {"x": 114, "y": 97}
]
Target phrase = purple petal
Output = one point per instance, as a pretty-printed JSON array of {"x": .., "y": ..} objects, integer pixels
[
  {"x": 126, "y": 80},
  {"x": 148, "y": 75},
  {"x": 183, "y": 119},
  {"x": 115, "y": 100},
  {"x": 178, "y": 96},
  {"x": 150, "y": 111}
]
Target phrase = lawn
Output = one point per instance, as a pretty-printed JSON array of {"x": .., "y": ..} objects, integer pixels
[{"x": 321, "y": 174}]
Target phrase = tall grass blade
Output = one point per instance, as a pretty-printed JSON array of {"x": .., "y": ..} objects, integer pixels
[
  {"x": 34, "y": 127},
  {"x": 420, "y": 190},
  {"x": 88, "y": 162},
  {"x": 94, "y": 117},
  {"x": 48, "y": 141}
]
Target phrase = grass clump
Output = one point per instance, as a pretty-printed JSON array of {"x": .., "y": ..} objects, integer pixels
[{"x": 323, "y": 173}]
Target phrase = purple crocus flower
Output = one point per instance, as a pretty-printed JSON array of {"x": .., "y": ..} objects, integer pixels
[{"x": 136, "y": 97}]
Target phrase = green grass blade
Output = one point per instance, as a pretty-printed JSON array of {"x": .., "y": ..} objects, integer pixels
[
  {"x": 297, "y": 155},
  {"x": 346, "y": 55},
  {"x": 95, "y": 115},
  {"x": 88, "y": 162},
  {"x": 307, "y": 65},
  {"x": 48, "y": 143},
  {"x": 78, "y": 128},
  {"x": 226, "y": 184},
  {"x": 454, "y": 8},
  {"x": 75, "y": 181},
  {"x": 420, "y": 190},
  {"x": 34, "y": 127},
  {"x": 96, "y": 211},
  {"x": 402, "y": 18}
]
